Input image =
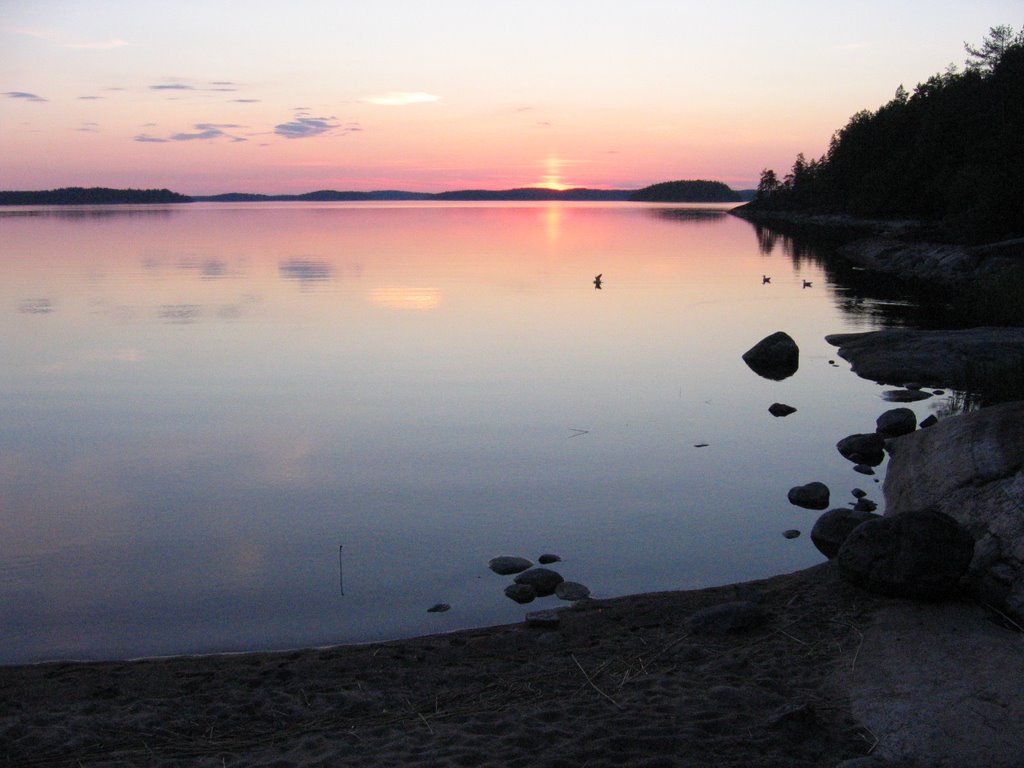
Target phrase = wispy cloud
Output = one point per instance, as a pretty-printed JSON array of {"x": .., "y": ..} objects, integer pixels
[
  {"x": 63, "y": 41},
  {"x": 147, "y": 139},
  {"x": 306, "y": 127},
  {"x": 209, "y": 131},
  {"x": 245, "y": 101},
  {"x": 400, "y": 98},
  {"x": 171, "y": 87},
  {"x": 24, "y": 96},
  {"x": 91, "y": 98},
  {"x": 89, "y": 127}
]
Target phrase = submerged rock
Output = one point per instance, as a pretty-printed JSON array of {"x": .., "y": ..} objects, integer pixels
[
  {"x": 543, "y": 580},
  {"x": 775, "y": 357},
  {"x": 507, "y": 565},
  {"x": 521, "y": 593},
  {"x": 810, "y": 496},
  {"x": 439, "y": 608},
  {"x": 905, "y": 395},
  {"x": 792, "y": 533},
  {"x": 572, "y": 591}
]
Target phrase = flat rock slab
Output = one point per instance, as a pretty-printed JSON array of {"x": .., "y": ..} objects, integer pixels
[
  {"x": 939, "y": 685},
  {"x": 966, "y": 359}
]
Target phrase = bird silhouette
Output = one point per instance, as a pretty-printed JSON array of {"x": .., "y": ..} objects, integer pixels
[
  {"x": 807, "y": 283},
  {"x": 597, "y": 282},
  {"x": 765, "y": 279}
]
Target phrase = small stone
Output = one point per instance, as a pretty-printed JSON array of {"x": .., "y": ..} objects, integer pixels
[
  {"x": 792, "y": 533},
  {"x": 506, "y": 565},
  {"x": 865, "y": 505},
  {"x": 543, "y": 619},
  {"x": 858, "y": 493},
  {"x": 548, "y": 558},
  {"x": 864, "y": 469},
  {"x": 521, "y": 593},
  {"x": 780, "y": 409},
  {"x": 929, "y": 421},
  {"x": 866, "y": 448},
  {"x": 572, "y": 591},
  {"x": 439, "y": 608},
  {"x": 811, "y": 496}
]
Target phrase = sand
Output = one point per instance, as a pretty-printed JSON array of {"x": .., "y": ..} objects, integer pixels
[{"x": 618, "y": 682}]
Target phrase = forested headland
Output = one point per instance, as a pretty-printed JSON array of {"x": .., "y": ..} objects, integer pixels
[
  {"x": 92, "y": 196},
  {"x": 949, "y": 154}
]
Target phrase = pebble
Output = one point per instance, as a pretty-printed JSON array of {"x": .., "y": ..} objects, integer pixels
[
  {"x": 506, "y": 565},
  {"x": 548, "y": 558},
  {"x": 439, "y": 608},
  {"x": 792, "y": 533}
]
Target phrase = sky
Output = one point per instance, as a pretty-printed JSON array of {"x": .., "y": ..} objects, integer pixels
[{"x": 210, "y": 96}]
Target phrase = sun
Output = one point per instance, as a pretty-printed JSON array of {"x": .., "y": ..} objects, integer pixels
[{"x": 552, "y": 178}]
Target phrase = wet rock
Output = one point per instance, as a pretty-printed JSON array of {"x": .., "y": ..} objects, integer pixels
[
  {"x": 548, "y": 558},
  {"x": 521, "y": 593},
  {"x": 543, "y": 580},
  {"x": 859, "y": 493},
  {"x": 775, "y": 357},
  {"x": 896, "y": 422},
  {"x": 929, "y": 421},
  {"x": 507, "y": 565},
  {"x": 920, "y": 555},
  {"x": 792, "y": 533},
  {"x": 811, "y": 496},
  {"x": 780, "y": 409},
  {"x": 867, "y": 449},
  {"x": 905, "y": 395},
  {"x": 572, "y": 591},
  {"x": 832, "y": 528},
  {"x": 726, "y": 618},
  {"x": 865, "y": 505},
  {"x": 864, "y": 469},
  {"x": 439, "y": 608}
]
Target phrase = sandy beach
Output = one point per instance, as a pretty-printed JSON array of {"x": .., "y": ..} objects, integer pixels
[{"x": 627, "y": 681}]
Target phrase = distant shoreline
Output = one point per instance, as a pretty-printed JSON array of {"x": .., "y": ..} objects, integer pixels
[{"x": 694, "y": 192}]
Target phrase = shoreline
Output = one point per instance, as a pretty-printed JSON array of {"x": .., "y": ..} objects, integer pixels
[{"x": 614, "y": 682}]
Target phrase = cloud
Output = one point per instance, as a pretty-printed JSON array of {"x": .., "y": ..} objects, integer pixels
[
  {"x": 208, "y": 131},
  {"x": 91, "y": 98},
  {"x": 89, "y": 127},
  {"x": 61, "y": 40},
  {"x": 171, "y": 87},
  {"x": 400, "y": 98},
  {"x": 24, "y": 95},
  {"x": 306, "y": 127},
  {"x": 148, "y": 139},
  {"x": 245, "y": 101}
]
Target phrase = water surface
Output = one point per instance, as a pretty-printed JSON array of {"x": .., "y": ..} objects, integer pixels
[{"x": 200, "y": 404}]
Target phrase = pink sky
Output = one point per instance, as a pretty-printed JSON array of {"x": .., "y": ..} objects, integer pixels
[{"x": 218, "y": 96}]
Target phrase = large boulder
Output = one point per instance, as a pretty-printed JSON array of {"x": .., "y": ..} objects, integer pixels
[
  {"x": 867, "y": 449},
  {"x": 921, "y": 554},
  {"x": 971, "y": 467},
  {"x": 832, "y": 528},
  {"x": 543, "y": 580},
  {"x": 774, "y": 357}
]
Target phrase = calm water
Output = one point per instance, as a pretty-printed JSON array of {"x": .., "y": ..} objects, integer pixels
[{"x": 199, "y": 405}]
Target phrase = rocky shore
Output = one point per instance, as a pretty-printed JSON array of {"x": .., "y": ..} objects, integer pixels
[{"x": 901, "y": 248}]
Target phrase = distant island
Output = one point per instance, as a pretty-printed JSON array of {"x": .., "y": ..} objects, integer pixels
[
  {"x": 687, "y": 192},
  {"x": 92, "y": 196},
  {"x": 666, "y": 192}
]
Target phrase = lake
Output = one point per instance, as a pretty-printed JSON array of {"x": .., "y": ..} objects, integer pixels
[{"x": 230, "y": 427}]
